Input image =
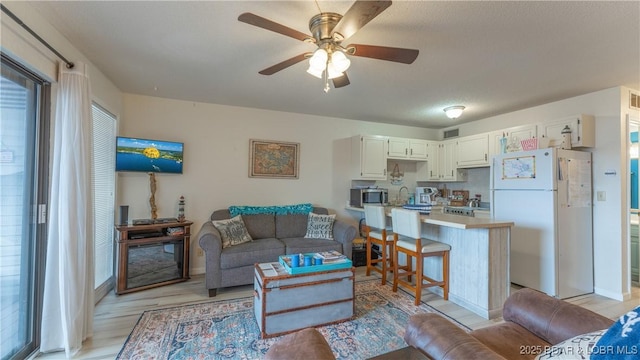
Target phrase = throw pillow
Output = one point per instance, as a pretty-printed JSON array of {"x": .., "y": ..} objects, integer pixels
[
  {"x": 320, "y": 226},
  {"x": 622, "y": 339},
  {"x": 579, "y": 347},
  {"x": 233, "y": 231}
]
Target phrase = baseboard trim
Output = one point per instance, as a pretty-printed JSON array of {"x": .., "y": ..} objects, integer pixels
[
  {"x": 485, "y": 313},
  {"x": 610, "y": 294},
  {"x": 197, "y": 271}
]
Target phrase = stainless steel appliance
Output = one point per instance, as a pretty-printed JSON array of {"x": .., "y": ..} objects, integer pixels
[
  {"x": 360, "y": 197},
  {"x": 459, "y": 210},
  {"x": 425, "y": 195}
]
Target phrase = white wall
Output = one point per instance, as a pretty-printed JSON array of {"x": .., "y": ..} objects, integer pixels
[
  {"x": 216, "y": 139},
  {"x": 22, "y": 46}
]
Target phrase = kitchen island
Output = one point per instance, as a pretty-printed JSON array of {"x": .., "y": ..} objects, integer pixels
[{"x": 478, "y": 260}]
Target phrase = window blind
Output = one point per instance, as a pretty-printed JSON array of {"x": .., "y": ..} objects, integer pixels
[{"x": 103, "y": 180}]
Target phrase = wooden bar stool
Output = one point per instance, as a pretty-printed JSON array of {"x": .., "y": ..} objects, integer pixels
[
  {"x": 376, "y": 231},
  {"x": 407, "y": 240}
]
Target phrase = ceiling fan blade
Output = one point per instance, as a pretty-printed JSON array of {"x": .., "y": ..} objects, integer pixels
[
  {"x": 285, "y": 64},
  {"x": 358, "y": 15},
  {"x": 267, "y": 24},
  {"x": 405, "y": 56},
  {"x": 341, "y": 81}
]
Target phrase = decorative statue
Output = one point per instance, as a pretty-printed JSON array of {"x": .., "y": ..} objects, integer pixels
[
  {"x": 181, "y": 209},
  {"x": 152, "y": 199}
]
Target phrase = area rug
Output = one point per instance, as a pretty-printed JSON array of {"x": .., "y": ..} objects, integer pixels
[{"x": 228, "y": 329}]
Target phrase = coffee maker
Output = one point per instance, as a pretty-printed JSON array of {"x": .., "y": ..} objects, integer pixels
[{"x": 426, "y": 195}]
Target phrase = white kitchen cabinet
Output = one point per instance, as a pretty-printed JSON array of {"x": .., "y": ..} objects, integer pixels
[
  {"x": 634, "y": 253},
  {"x": 473, "y": 151},
  {"x": 583, "y": 131},
  {"x": 402, "y": 148},
  {"x": 418, "y": 149},
  {"x": 514, "y": 136},
  {"x": 369, "y": 157},
  {"x": 441, "y": 164},
  {"x": 397, "y": 148},
  {"x": 448, "y": 156}
]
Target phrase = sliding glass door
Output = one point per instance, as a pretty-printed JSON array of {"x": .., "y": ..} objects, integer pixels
[{"x": 24, "y": 135}]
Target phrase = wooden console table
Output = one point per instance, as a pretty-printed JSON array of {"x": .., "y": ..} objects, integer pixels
[{"x": 151, "y": 255}]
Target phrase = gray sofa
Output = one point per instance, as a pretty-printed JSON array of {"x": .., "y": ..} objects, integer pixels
[{"x": 272, "y": 235}]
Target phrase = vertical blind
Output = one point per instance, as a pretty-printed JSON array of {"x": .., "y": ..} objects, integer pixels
[{"x": 103, "y": 180}]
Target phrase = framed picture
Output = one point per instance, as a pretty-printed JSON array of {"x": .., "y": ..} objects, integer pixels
[{"x": 273, "y": 159}]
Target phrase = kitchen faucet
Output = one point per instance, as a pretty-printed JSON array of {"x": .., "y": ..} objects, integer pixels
[{"x": 400, "y": 192}]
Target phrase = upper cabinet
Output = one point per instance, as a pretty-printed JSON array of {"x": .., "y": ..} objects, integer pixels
[
  {"x": 369, "y": 157},
  {"x": 514, "y": 135},
  {"x": 473, "y": 151},
  {"x": 402, "y": 148},
  {"x": 441, "y": 164},
  {"x": 583, "y": 131}
]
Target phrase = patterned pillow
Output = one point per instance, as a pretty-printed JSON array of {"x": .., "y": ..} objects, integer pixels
[
  {"x": 579, "y": 347},
  {"x": 233, "y": 231},
  {"x": 320, "y": 226},
  {"x": 622, "y": 339}
]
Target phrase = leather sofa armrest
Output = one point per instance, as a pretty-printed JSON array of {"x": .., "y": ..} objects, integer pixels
[
  {"x": 302, "y": 345},
  {"x": 549, "y": 318},
  {"x": 344, "y": 234},
  {"x": 440, "y": 339}
]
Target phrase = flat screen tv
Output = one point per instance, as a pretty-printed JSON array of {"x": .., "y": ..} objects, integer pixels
[{"x": 146, "y": 155}]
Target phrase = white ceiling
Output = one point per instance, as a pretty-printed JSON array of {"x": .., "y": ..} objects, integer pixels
[{"x": 492, "y": 57}]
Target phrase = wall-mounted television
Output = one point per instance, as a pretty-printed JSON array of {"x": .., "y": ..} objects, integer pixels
[{"x": 145, "y": 155}]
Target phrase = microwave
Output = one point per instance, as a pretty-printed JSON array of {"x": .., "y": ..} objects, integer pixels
[{"x": 360, "y": 197}]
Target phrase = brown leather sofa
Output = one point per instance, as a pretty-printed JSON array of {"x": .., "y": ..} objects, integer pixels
[{"x": 533, "y": 322}]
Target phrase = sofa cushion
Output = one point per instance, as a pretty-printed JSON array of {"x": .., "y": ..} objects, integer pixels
[
  {"x": 511, "y": 341},
  {"x": 260, "y": 226},
  {"x": 258, "y": 251},
  {"x": 294, "y": 225},
  {"x": 302, "y": 245},
  {"x": 320, "y": 226},
  {"x": 291, "y": 225},
  {"x": 233, "y": 231}
]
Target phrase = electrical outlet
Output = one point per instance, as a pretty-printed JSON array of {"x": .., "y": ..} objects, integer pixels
[
  {"x": 602, "y": 195},
  {"x": 199, "y": 252}
]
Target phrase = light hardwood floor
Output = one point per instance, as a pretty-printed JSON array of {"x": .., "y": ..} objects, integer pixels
[{"x": 115, "y": 316}]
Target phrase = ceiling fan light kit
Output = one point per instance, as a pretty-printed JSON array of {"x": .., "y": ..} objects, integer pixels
[
  {"x": 328, "y": 31},
  {"x": 454, "y": 112}
]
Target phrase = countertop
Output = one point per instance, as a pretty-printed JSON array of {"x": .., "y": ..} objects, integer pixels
[{"x": 453, "y": 221}]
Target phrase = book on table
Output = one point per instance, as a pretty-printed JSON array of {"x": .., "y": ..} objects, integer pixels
[{"x": 331, "y": 255}]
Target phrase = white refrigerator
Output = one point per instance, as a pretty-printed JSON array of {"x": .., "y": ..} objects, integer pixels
[{"x": 547, "y": 193}]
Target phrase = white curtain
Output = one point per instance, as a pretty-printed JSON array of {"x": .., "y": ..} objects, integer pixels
[{"x": 67, "y": 317}]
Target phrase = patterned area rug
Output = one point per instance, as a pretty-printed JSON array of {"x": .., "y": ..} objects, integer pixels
[{"x": 228, "y": 329}]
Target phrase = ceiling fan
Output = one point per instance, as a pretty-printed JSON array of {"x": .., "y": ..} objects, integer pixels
[{"x": 328, "y": 31}]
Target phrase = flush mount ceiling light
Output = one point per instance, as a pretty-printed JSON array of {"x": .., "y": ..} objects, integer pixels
[{"x": 454, "y": 112}]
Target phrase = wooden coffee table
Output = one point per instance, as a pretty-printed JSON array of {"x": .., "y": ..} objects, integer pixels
[{"x": 284, "y": 303}]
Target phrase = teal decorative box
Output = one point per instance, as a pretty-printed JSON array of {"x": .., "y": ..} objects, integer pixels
[{"x": 286, "y": 262}]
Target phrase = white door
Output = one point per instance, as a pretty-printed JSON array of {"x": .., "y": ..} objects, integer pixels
[{"x": 533, "y": 245}]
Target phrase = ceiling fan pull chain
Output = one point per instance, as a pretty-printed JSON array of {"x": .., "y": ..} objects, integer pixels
[{"x": 326, "y": 81}]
